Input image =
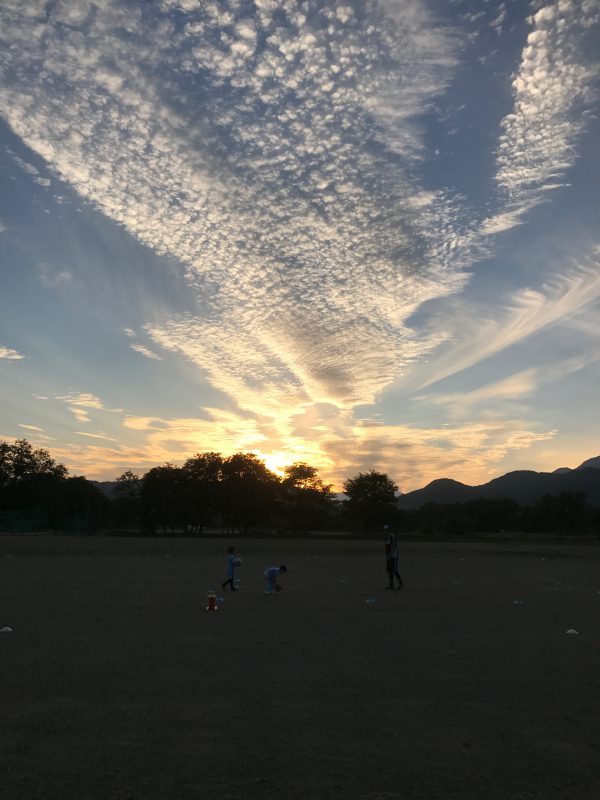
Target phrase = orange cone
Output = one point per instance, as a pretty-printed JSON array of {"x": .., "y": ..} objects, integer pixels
[{"x": 212, "y": 601}]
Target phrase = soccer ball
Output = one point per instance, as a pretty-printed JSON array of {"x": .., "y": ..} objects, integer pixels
[
  {"x": 237, "y": 562},
  {"x": 278, "y": 588}
]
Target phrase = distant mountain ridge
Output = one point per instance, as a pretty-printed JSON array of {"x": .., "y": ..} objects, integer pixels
[
  {"x": 523, "y": 486},
  {"x": 591, "y": 462},
  {"x": 106, "y": 487}
]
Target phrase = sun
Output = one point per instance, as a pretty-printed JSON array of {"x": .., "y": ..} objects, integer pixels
[{"x": 276, "y": 462}]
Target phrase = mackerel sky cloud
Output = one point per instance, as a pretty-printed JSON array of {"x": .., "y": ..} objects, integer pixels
[{"x": 296, "y": 227}]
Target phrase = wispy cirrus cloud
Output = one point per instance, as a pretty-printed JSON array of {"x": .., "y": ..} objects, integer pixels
[
  {"x": 145, "y": 351},
  {"x": 528, "y": 312},
  {"x": 83, "y": 399},
  {"x": 518, "y": 386},
  {"x": 52, "y": 277},
  {"x": 79, "y": 404},
  {"x": 95, "y": 436},
  {"x": 554, "y": 90},
  {"x": 521, "y": 384}
]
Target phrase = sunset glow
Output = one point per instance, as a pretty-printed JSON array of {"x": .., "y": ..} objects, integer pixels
[{"x": 360, "y": 235}]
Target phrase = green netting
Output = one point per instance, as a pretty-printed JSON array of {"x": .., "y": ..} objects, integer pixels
[{"x": 24, "y": 521}]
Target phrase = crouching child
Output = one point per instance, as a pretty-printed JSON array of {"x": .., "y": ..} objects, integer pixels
[{"x": 272, "y": 578}]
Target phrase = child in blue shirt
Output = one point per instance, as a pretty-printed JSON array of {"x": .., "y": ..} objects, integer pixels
[
  {"x": 271, "y": 575},
  {"x": 233, "y": 561}
]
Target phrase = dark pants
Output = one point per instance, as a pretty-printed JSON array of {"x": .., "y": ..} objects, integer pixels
[
  {"x": 229, "y": 582},
  {"x": 392, "y": 570}
]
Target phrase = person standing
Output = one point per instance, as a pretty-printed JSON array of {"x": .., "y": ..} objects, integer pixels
[
  {"x": 233, "y": 562},
  {"x": 391, "y": 558}
]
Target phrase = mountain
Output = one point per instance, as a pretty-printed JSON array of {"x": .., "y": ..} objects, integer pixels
[
  {"x": 106, "y": 487},
  {"x": 442, "y": 491},
  {"x": 523, "y": 486},
  {"x": 591, "y": 462}
]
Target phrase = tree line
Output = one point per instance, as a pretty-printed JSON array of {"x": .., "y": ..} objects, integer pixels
[{"x": 238, "y": 494}]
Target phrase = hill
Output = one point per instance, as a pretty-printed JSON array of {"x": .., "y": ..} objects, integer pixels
[
  {"x": 591, "y": 462},
  {"x": 106, "y": 487},
  {"x": 523, "y": 486}
]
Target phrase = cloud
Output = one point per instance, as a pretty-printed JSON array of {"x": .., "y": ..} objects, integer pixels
[
  {"x": 95, "y": 436},
  {"x": 52, "y": 277},
  {"x": 145, "y": 351},
  {"x": 528, "y": 312},
  {"x": 499, "y": 19},
  {"x": 9, "y": 354},
  {"x": 415, "y": 456},
  {"x": 80, "y": 414},
  {"x": 103, "y": 462},
  {"x": 79, "y": 403},
  {"x": 339, "y": 445},
  {"x": 83, "y": 399},
  {"x": 276, "y": 150},
  {"x": 274, "y": 155},
  {"x": 520, "y": 385},
  {"x": 31, "y": 428},
  {"x": 24, "y": 165},
  {"x": 553, "y": 89}
]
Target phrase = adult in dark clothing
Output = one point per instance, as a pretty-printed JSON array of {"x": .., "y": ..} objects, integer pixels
[{"x": 391, "y": 559}]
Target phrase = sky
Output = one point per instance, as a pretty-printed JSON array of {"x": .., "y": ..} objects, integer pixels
[{"x": 364, "y": 235}]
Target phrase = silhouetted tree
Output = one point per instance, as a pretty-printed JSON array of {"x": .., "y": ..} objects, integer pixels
[
  {"x": 162, "y": 498},
  {"x": 248, "y": 492},
  {"x": 126, "y": 502},
  {"x": 19, "y": 462},
  {"x": 202, "y": 476},
  {"x": 80, "y": 506},
  {"x": 563, "y": 513},
  {"x": 28, "y": 478},
  {"x": 35, "y": 488},
  {"x": 306, "y": 502},
  {"x": 371, "y": 499}
]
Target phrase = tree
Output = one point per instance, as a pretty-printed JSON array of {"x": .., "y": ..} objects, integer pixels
[
  {"x": 371, "y": 499},
  {"x": 126, "y": 503},
  {"x": 128, "y": 485},
  {"x": 161, "y": 498},
  {"x": 80, "y": 506},
  {"x": 248, "y": 491},
  {"x": 28, "y": 478},
  {"x": 202, "y": 476},
  {"x": 36, "y": 488},
  {"x": 306, "y": 501},
  {"x": 19, "y": 461},
  {"x": 565, "y": 513}
]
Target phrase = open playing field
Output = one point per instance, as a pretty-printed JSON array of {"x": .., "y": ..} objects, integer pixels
[{"x": 116, "y": 683}]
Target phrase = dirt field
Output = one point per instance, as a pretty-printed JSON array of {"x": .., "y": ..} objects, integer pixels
[{"x": 116, "y": 683}]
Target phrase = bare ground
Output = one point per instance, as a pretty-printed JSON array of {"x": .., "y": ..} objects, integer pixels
[{"x": 117, "y": 684}]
